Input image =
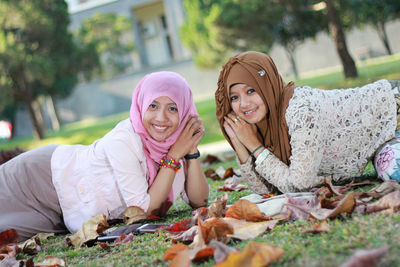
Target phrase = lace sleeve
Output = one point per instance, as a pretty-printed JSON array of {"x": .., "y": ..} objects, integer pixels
[
  {"x": 306, "y": 154},
  {"x": 256, "y": 183}
]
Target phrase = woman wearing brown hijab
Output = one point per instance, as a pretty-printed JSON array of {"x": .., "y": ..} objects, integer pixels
[{"x": 289, "y": 138}]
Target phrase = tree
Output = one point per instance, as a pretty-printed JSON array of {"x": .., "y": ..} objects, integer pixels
[
  {"x": 37, "y": 54},
  {"x": 105, "y": 34},
  {"x": 376, "y": 13},
  {"x": 202, "y": 35}
]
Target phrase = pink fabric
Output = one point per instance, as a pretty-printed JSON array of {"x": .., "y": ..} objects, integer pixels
[{"x": 152, "y": 86}]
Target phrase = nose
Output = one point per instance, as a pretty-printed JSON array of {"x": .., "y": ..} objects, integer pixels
[
  {"x": 161, "y": 115},
  {"x": 244, "y": 101}
]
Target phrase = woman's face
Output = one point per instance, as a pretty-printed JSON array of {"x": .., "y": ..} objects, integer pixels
[
  {"x": 161, "y": 118},
  {"x": 247, "y": 103}
]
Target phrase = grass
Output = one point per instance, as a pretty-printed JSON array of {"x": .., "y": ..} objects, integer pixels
[
  {"x": 326, "y": 249},
  {"x": 85, "y": 132}
]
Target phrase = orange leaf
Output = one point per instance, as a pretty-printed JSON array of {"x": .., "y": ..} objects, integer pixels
[
  {"x": 321, "y": 227},
  {"x": 217, "y": 208},
  {"x": 268, "y": 195},
  {"x": 203, "y": 254},
  {"x": 216, "y": 229},
  {"x": 228, "y": 173},
  {"x": 254, "y": 254},
  {"x": 246, "y": 210},
  {"x": 182, "y": 259},
  {"x": 170, "y": 253}
]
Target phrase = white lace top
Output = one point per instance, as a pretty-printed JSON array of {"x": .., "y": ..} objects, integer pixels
[{"x": 333, "y": 132}]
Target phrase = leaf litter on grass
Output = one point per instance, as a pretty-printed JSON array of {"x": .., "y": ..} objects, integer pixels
[{"x": 209, "y": 232}]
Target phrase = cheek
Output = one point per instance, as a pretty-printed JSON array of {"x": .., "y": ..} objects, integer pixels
[
  {"x": 175, "y": 121},
  {"x": 235, "y": 106}
]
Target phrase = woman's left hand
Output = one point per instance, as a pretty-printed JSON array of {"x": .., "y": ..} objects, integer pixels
[
  {"x": 189, "y": 138},
  {"x": 245, "y": 132}
]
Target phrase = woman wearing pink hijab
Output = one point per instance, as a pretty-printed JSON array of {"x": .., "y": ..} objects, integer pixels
[{"x": 146, "y": 161}]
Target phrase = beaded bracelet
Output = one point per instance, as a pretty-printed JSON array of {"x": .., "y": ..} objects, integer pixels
[{"x": 169, "y": 162}]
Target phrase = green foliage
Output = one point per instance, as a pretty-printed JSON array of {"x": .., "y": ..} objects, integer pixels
[
  {"x": 37, "y": 53},
  {"x": 202, "y": 35},
  {"x": 105, "y": 34}
]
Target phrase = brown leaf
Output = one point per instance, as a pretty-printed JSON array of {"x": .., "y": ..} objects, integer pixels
[
  {"x": 11, "y": 250},
  {"x": 210, "y": 159},
  {"x": 170, "y": 253},
  {"x": 251, "y": 230},
  {"x": 232, "y": 187},
  {"x": 133, "y": 214},
  {"x": 389, "y": 203},
  {"x": 31, "y": 246},
  {"x": 228, "y": 173},
  {"x": 217, "y": 208},
  {"x": 123, "y": 239},
  {"x": 210, "y": 173},
  {"x": 186, "y": 236},
  {"x": 221, "y": 251},
  {"x": 366, "y": 258},
  {"x": 90, "y": 230},
  {"x": 215, "y": 229},
  {"x": 246, "y": 210},
  {"x": 8, "y": 236},
  {"x": 201, "y": 254},
  {"x": 321, "y": 227},
  {"x": 51, "y": 261},
  {"x": 254, "y": 254},
  {"x": 182, "y": 259}
]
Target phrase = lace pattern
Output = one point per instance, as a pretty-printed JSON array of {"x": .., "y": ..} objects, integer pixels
[{"x": 333, "y": 132}]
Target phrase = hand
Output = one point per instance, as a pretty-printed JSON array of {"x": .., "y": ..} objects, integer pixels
[
  {"x": 245, "y": 132},
  {"x": 189, "y": 138}
]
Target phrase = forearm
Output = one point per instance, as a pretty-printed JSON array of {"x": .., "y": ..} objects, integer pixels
[
  {"x": 160, "y": 189},
  {"x": 196, "y": 186}
]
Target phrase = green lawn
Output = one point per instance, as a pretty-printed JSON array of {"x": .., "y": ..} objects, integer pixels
[
  {"x": 346, "y": 235},
  {"x": 85, "y": 132}
]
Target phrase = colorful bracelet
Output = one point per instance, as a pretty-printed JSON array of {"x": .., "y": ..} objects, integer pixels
[{"x": 169, "y": 162}]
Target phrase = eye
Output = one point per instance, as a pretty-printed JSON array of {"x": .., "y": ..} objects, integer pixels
[
  {"x": 172, "y": 108},
  {"x": 250, "y": 91},
  {"x": 233, "y": 98},
  {"x": 152, "y": 106}
]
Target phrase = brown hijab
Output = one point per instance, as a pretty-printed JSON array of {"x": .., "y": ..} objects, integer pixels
[{"x": 259, "y": 71}]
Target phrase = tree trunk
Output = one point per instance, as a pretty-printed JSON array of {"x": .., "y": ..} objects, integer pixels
[
  {"x": 51, "y": 110},
  {"x": 380, "y": 28},
  {"x": 38, "y": 131},
  {"x": 290, "y": 54},
  {"x": 336, "y": 30}
]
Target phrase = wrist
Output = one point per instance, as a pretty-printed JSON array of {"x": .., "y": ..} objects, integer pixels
[{"x": 191, "y": 155}]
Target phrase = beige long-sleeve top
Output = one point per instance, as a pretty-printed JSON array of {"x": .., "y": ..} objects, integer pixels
[{"x": 333, "y": 132}]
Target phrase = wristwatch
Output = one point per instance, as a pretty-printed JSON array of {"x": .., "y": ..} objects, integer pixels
[{"x": 192, "y": 156}]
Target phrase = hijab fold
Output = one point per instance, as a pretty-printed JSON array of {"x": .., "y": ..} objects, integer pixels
[
  {"x": 259, "y": 71},
  {"x": 152, "y": 86}
]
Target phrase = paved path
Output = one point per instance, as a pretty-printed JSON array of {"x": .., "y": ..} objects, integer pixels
[{"x": 217, "y": 148}]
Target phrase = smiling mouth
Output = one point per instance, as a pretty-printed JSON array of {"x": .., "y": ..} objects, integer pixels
[
  {"x": 250, "y": 112},
  {"x": 161, "y": 128}
]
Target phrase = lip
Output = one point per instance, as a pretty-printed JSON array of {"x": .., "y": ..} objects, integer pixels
[{"x": 250, "y": 112}]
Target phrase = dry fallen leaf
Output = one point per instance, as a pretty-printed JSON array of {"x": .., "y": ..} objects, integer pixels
[
  {"x": 186, "y": 236},
  {"x": 170, "y": 253},
  {"x": 254, "y": 254},
  {"x": 217, "y": 208},
  {"x": 9, "y": 236},
  {"x": 387, "y": 204},
  {"x": 210, "y": 173},
  {"x": 366, "y": 258},
  {"x": 215, "y": 229},
  {"x": 90, "y": 230},
  {"x": 210, "y": 159},
  {"x": 321, "y": 227},
  {"x": 251, "y": 230},
  {"x": 182, "y": 259},
  {"x": 133, "y": 214},
  {"x": 232, "y": 187},
  {"x": 228, "y": 173},
  {"x": 51, "y": 261},
  {"x": 246, "y": 210}
]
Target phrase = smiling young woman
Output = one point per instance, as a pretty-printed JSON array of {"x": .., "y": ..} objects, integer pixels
[
  {"x": 147, "y": 161},
  {"x": 290, "y": 138}
]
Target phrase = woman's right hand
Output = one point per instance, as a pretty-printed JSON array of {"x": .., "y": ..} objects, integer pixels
[{"x": 189, "y": 138}]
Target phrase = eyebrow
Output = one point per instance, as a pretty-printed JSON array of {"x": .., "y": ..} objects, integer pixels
[{"x": 156, "y": 102}]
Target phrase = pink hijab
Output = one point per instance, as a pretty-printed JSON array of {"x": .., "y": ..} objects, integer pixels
[{"x": 152, "y": 86}]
